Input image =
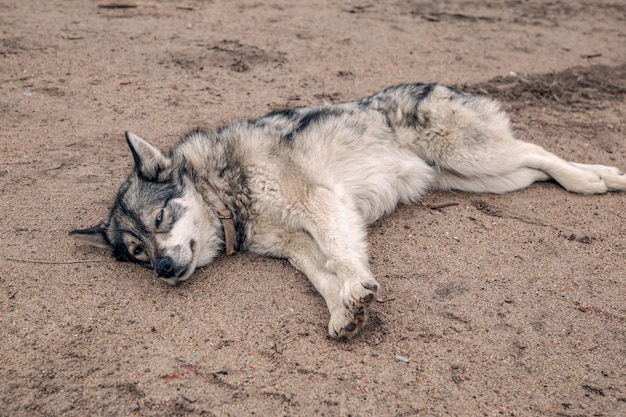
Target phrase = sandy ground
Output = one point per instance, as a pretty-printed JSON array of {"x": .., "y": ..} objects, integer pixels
[{"x": 499, "y": 305}]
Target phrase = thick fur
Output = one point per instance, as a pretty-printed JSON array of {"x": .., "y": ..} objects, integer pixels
[{"x": 304, "y": 184}]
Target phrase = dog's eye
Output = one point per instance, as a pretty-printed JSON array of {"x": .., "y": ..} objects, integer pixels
[
  {"x": 137, "y": 250},
  {"x": 159, "y": 218}
]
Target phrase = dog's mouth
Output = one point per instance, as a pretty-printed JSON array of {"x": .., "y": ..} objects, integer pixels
[{"x": 186, "y": 271}]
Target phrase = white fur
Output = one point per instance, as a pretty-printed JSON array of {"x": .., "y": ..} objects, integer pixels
[{"x": 193, "y": 240}]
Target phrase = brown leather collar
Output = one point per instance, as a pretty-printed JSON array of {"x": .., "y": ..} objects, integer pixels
[{"x": 229, "y": 230}]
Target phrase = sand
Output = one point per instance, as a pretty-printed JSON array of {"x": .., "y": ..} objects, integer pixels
[{"x": 497, "y": 305}]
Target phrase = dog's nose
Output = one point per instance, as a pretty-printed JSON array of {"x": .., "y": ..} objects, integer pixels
[{"x": 165, "y": 267}]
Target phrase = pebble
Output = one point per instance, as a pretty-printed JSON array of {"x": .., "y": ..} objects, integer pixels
[
  {"x": 188, "y": 398},
  {"x": 402, "y": 358}
]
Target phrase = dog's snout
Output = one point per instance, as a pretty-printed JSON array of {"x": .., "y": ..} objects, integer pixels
[{"x": 165, "y": 267}]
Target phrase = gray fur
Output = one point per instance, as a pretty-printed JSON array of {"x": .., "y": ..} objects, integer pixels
[{"x": 303, "y": 184}]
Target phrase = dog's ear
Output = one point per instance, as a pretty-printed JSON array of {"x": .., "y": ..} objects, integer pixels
[
  {"x": 94, "y": 236},
  {"x": 150, "y": 163}
]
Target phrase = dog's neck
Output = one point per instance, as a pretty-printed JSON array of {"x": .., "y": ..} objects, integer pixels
[{"x": 211, "y": 197}]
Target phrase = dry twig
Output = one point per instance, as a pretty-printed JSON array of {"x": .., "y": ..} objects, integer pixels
[
  {"x": 439, "y": 206},
  {"x": 124, "y": 5}
]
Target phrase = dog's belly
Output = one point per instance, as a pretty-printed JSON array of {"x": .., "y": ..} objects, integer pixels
[
  {"x": 378, "y": 183},
  {"x": 359, "y": 156},
  {"x": 374, "y": 174}
]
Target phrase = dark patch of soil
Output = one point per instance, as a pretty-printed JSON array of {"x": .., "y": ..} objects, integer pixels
[{"x": 578, "y": 88}]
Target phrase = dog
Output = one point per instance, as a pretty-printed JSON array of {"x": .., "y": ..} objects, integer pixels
[{"x": 303, "y": 184}]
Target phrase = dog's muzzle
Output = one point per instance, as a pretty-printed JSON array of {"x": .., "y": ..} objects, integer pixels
[
  {"x": 168, "y": 271},
  {"x": 171, "y": 271},
  {"x": 165, "y": 267}
]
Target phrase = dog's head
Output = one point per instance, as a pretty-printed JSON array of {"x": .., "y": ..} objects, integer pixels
[{"x": 158, "y": 219}]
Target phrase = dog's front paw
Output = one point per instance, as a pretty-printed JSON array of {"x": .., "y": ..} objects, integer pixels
[
  {"x": 349, "y": 317},
  {"x": 345, "y": 323},
  {"x": 359, "y": 293}
]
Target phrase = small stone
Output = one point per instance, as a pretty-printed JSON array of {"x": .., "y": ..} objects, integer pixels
[
  {"x": 188, "y": 398},
  {"x": 402, "y": 358}
]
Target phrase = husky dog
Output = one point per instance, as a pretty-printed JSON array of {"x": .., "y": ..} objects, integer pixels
[{"x": 304, "y": 184}]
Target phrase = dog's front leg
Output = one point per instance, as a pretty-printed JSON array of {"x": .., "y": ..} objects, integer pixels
[
  {"x": 339, "y": 234},
  {"x": 299, "y": 247},
  {"x": 347, "y": 317}
]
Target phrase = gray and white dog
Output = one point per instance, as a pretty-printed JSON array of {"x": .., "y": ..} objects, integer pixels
[{"x": 304, "y": 184}]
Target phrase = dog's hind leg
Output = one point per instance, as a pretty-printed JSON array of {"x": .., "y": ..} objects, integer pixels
[
  {"x": 574, "y": 177},
  {"x": 518, "y": 164},
  {"x": 470, "y": 143},
  {"x": 502, "y": 183}
]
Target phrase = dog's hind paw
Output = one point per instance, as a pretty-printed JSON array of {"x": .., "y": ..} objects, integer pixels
[
  {"x": 614, "y": 179},
  {"x": 347, "y": 319},
  {"x": 600, "y": 179}
]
